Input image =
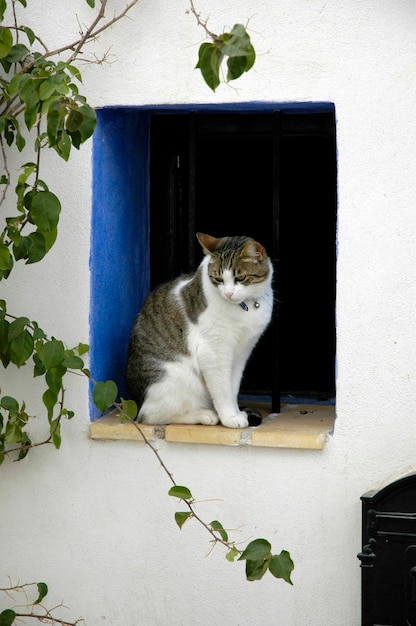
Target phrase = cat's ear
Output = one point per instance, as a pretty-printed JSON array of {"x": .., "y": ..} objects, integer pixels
[
  {"x": 207, "y": 242},
  {"x": 253, "y": 251}
]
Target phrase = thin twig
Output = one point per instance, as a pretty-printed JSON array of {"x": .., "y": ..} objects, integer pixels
[
  {"x": 6, "y": 169},
  {"x": 202, "y": 23},
  {"x": 90, "y": 33},
  {"x": 48, "y": 619}
]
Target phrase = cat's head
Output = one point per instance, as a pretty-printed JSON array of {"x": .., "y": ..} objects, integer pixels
[{"x": 238, "y": 266}]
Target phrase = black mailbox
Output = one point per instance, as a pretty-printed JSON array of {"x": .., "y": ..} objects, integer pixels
[{"x": 388, "y": 556}]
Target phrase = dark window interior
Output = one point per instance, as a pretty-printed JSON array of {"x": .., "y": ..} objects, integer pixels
[{"x": 271, "y": 177}]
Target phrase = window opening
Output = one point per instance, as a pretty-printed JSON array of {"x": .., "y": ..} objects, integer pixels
[{"x": 273, "y": 177}]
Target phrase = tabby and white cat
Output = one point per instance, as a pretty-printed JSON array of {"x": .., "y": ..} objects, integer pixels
[{"x": 192, "y": 339}]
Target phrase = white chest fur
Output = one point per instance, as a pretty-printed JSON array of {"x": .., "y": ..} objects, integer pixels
[{"x": 225, "y": 323}]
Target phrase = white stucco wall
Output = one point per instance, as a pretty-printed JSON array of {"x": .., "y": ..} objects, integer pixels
[{"x": 93, "y": 519}]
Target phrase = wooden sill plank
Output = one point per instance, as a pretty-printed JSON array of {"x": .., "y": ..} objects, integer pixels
[
  {"x": 110, "y": 427},
  {"x": 297, "y": 426}
]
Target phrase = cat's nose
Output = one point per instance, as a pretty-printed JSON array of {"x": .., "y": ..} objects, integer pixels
[{"x": 229, "y": 294}]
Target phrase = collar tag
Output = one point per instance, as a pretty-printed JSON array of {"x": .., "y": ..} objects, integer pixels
[{"x": 244, "y": 306}]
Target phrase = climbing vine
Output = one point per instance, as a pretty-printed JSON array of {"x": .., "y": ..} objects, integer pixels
[
  {"x": 257, "y": 555},
  {"x": 235, "y": 47},
  {"x": 42, "y": 108}
]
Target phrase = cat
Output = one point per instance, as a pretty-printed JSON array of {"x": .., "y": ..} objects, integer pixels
[{"x": 192, "y": 339}]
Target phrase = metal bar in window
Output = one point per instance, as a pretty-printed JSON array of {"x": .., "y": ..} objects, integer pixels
[
  {"x": 190, "y": 244},
  {"x": 275, "y": 390}
]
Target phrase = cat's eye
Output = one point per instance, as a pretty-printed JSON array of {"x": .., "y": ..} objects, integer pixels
[
  {"x": 218, "y": 279},
  {"x": 240, "y": 279}
]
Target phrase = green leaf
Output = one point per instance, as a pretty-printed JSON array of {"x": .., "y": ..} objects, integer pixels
[
  {"x": 50, "y": 400},
  {"x": 73, "y": 121},
  {"x": 182, "y": 493},
  {"x": 42, "y": 590},
  {"x": 63, "y": 145},
  {"x": 38, "y": 333},
  {"x": 281, "y": 566},
  {"x": 6, "y": 261},
  {"x": 29, "y": 95},
  {"x": 21, "y": 249},
  {"x": 237, "y": 43},
  {"x": 236, "y": 67},
  {"x": 54, "y": 375},
  {"x": 56, "y": 433},
  {"x": 17, "y": 327},
  {"x": 10, "y": 404},
  {"x": 25, "y": 443},
  {"x": 181, "y": 518},
  {"x": 13, "y": 234},
  {"x": 209, "y": 61},
  {"x": 82, "y": 348},
  {"x": 62, "y": 66},
  {"x": 85, "y": 127},
  {"x": 91, "y": 3},
  {"x": 39, "y": 368},
  {"x": 46, "y": 89},
  {"x": 7, "y": 617},
  {"x": 130, "y": 408},
  {"x": 21, "y": 348},
  {"x": 10, "y": 129},
  {"x": 14, "y": 84},
  {"x": 3, "y": 7},
  {"x": 104, "y": 395},
  {"x": 49, "y": 237},
  {"x": 6, "y": 42},
  {"x": 55, "y": 120},
  {"x": 13, "y": 433},
  {"x": 54, "y": 381},
  {"x": 4, "y": 342},
  {"x": 28, "y": 169},
  {"x": 52, "y": 353},
  {"x": 255, "y": 570},
  {"x": 17, "y": 53},
  {"x": 44, "y": 210},
  {"x": 218, "y": 527},
  {"x": 30, "y": 34},
  {"x": 20, "y": 141},
  {"x": 36, "y": 247},
  {"x": 257, "y": 549},
  {"x": 232, "y": 555},
  {"x": 73, "y": 362}
]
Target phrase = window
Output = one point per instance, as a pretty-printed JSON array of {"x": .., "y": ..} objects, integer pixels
[{"x": 267, "y": 171}]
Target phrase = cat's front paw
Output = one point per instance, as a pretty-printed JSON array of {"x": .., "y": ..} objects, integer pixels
[{"x": 239, "y": 420}]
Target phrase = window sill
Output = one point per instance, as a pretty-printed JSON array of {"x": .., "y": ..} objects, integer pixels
[{"x": 297, "y": 426}]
